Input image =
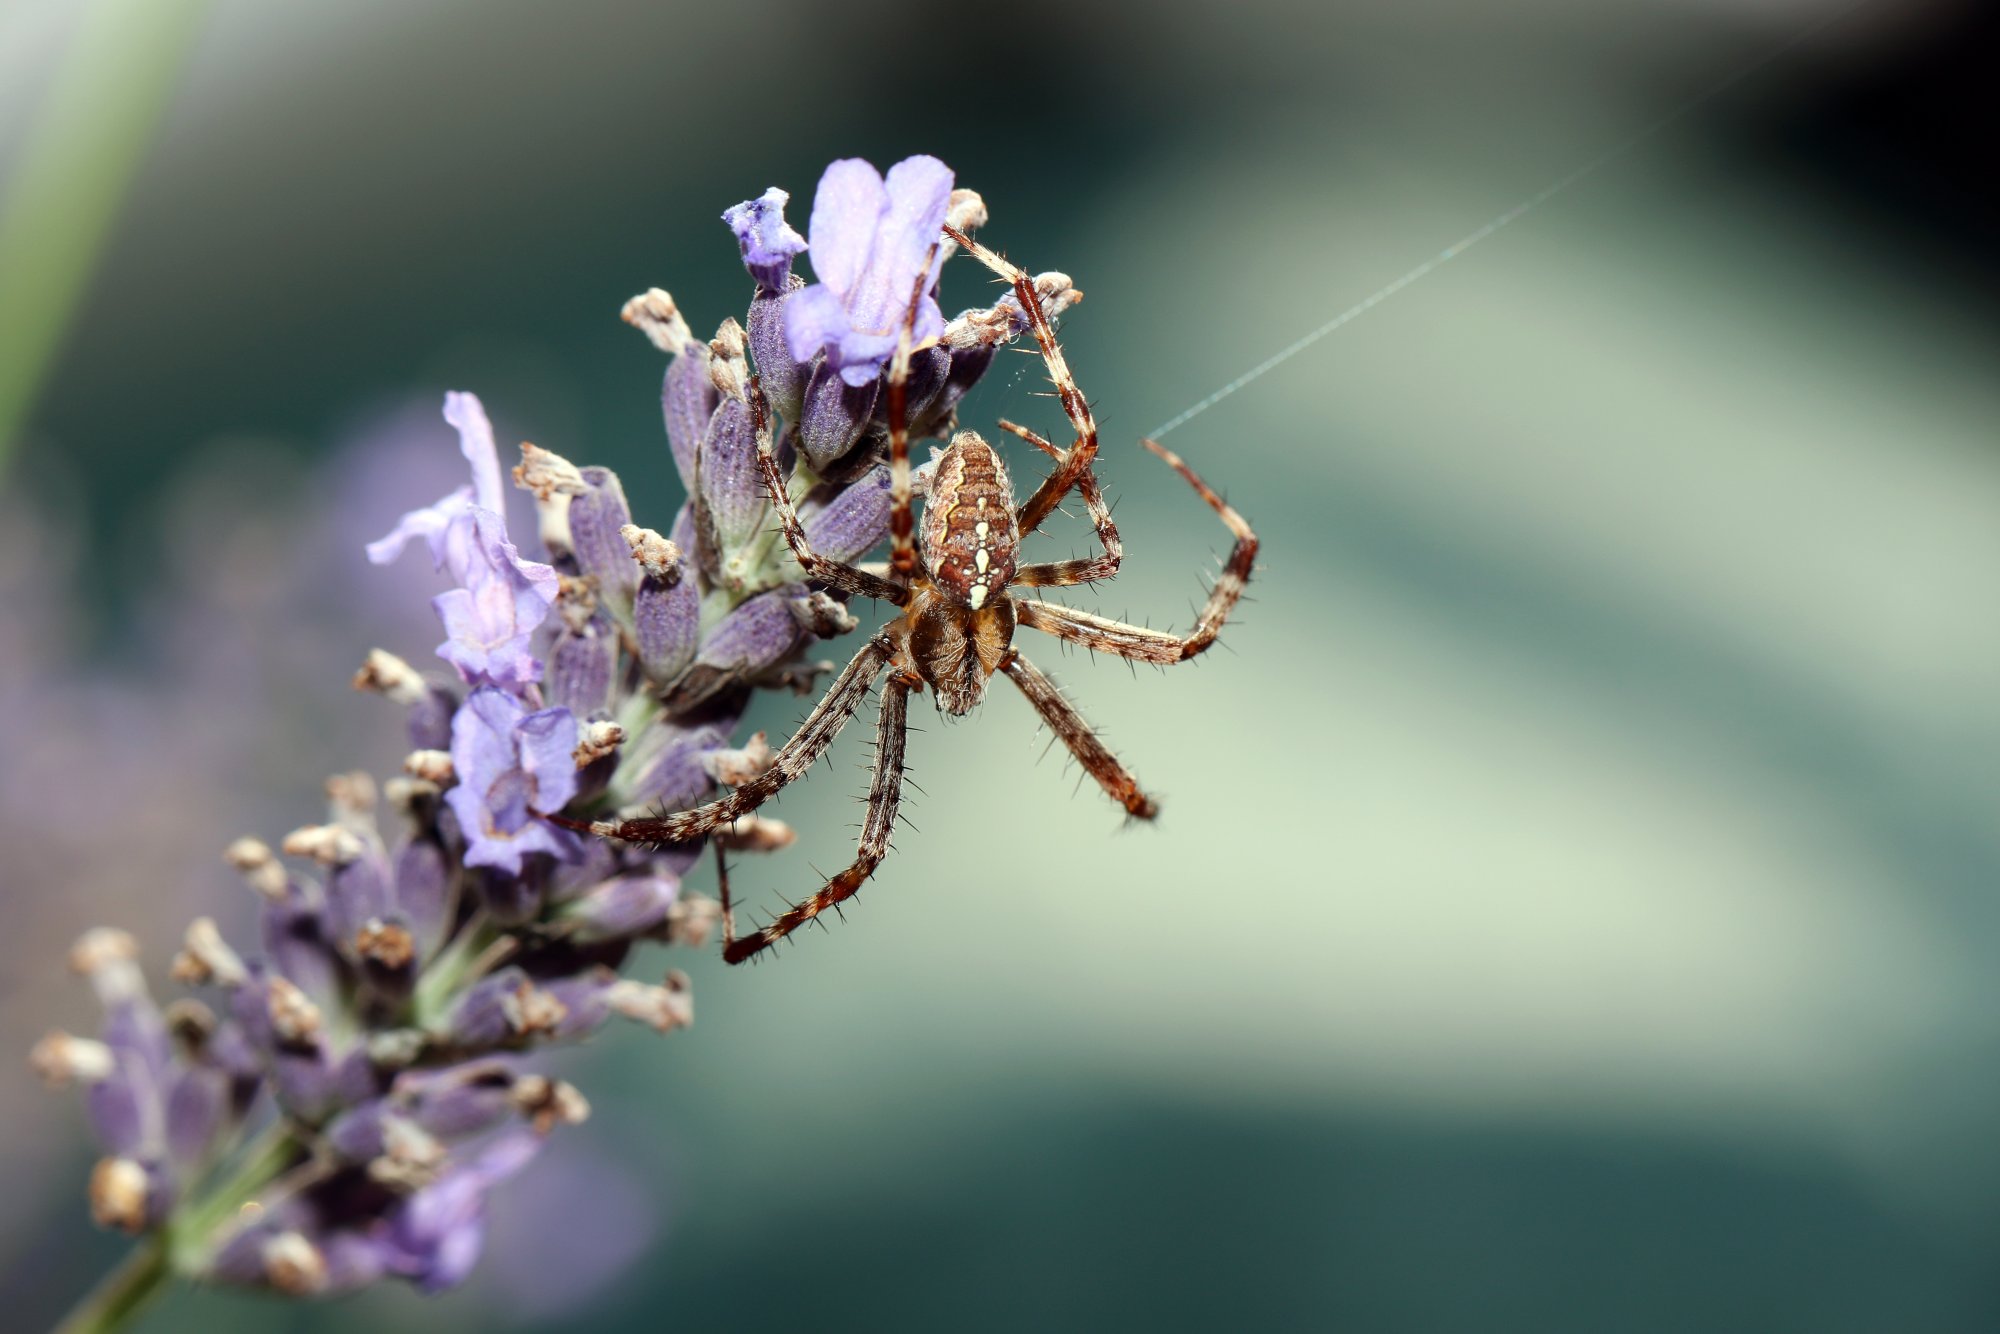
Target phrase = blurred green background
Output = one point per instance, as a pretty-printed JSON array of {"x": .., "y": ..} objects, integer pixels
[{"x": 1575, "y": 899}]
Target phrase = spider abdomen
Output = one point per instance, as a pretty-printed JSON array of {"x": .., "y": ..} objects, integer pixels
[{"x": 969, "y": 539}]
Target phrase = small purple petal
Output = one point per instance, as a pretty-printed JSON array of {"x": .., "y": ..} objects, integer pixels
[
  {"x": 511, "y": 763},
  {"x": 475, "y": 441},
  {"x": 768, "y": 243}
]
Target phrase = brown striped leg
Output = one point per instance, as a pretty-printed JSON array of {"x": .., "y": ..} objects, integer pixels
[
  {"x": 884, "y": 793},
  {"x": 832, "y": 573},
  {"x": 1076, "y": 462},
  {"x": 1065, "y": 573},
  {"x": 902, "y": 516},
  {"x": 1137, "y": 642},
  {"x": 791, "y": 762},
  {"x": 1068, "y": 724}
]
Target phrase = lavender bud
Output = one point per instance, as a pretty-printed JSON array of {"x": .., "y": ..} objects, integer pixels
[
  {"x": 666, "y": 611},
  {"x": 595, "y": 518},
  {"x": 731, "y": 488},
  {"x": 687, "y": 400},
  {"x": 783, "y": 378},
  {"x": 757, "y": 635},
  {"x": 423, "y": 891},
  {"x": 624, "y": 906},
  {"x": 582, "y": 664},
  {"x": 667, "y": 758},
  {"x": 504, "y": 1009},
  {"x": 832, "y": 416},
  {"x": 198, "y": 1108},
  {"x": 854, "y": 521}
]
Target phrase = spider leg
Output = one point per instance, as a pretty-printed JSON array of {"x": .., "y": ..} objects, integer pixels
[
  {"x": 792, "y": 762},
  {"x": 1137, "y": 642},
  {"x": 902, "y": 517},
  {"x": 1068, "y": 724},
  {"x": 832, "y": 573},
  {"x": 1076, "y": 463},
  {"x": 884, "y": 793},
  {"x": 1064, "y": 573}
]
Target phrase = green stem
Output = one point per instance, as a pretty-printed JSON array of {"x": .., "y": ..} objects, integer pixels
[{"x": 124, "y": 1292}]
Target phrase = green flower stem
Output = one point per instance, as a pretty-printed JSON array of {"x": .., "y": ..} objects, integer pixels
[
  {"x": 124, "y": 1292},
  {"x": 184, "y": 1244}
]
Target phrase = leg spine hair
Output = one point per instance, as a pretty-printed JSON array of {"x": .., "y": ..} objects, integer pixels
[{"x": 1069, "y": 725}]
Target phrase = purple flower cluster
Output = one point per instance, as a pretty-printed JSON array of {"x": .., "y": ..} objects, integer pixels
[{"x": 341, "y": 1108}]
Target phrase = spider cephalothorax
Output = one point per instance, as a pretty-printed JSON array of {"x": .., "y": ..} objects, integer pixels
[{"x": 951, "y": 582}]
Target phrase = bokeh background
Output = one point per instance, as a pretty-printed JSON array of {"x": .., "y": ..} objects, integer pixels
[{"x": 1575, "y": 902}]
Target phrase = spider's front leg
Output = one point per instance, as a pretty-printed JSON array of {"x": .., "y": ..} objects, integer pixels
[
  {"x": 884, "y": 794},
  {"x": 832, "y": 573},
  {"x": 1135, "y": 641},
  {"x": 1076, "y": 461},
  {"x": 791, "y": 762}
]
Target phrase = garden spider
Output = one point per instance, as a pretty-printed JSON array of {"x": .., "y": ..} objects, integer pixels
[{"x": 958, "y": 619}]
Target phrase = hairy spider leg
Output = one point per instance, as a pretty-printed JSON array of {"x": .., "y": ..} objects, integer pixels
[
  {"x": 1090, "y": 569},
  {"x": 885, "y": 793},
  {"x": 832, "y": 573},
  {"x": 1080, "y": 737},
  {"x": 1137, "y": 642},
  {"x": 793, "y": 760},
  {"x": 902, "y": 516},
  {"x": 1076, "y": 463}
]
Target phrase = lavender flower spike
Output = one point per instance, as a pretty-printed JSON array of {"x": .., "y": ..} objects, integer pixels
[
  {"x": 872, "y": 240},
  {"x": 511, "y": 763}
]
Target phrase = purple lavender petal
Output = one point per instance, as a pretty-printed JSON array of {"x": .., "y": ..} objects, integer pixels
[
  {"x": 768, "y": 243},
  {"x": 123, "y": 1108},
  {"x": 875, "y": 248},
  {"x": 847, "y": 211},
  {"x": 463, "y": 1100},
  {"x": 815, "y": 319},
  {"x": 510, "y": 764},
  {"x": 490, "y": 620},
  {"x": 854, "y": 521},
  {"x": 475, "y": 441}
]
